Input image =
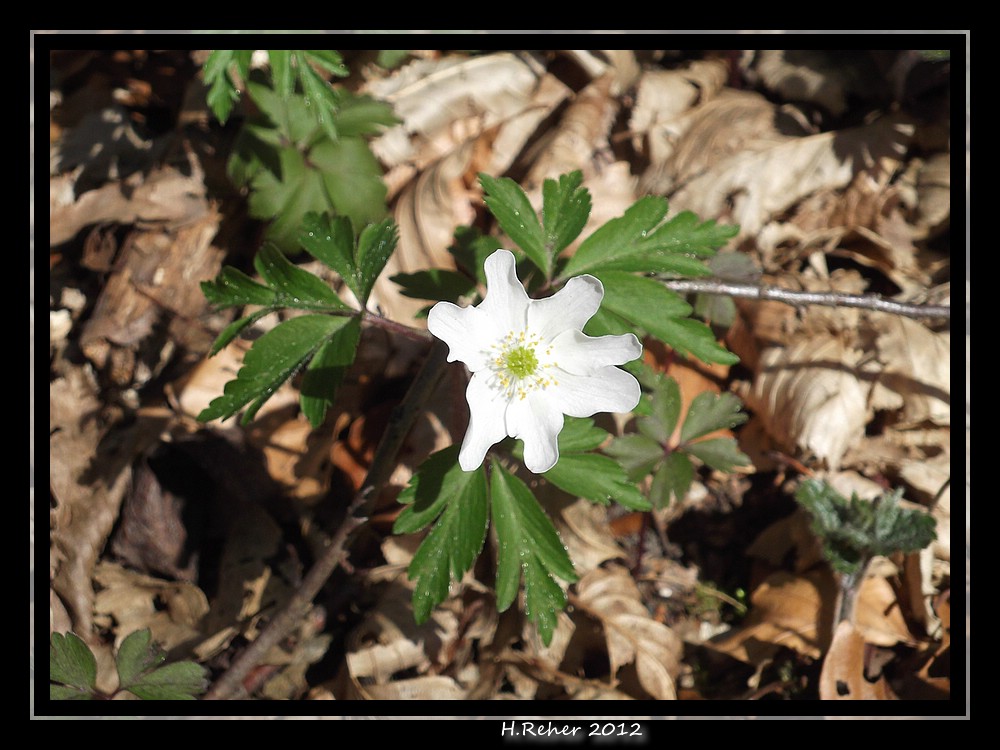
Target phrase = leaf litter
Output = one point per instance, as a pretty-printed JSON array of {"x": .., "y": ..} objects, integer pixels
[{"x": 835, "y": 185}]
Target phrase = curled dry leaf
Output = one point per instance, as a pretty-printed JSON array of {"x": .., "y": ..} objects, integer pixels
[
  {"x": 843, "y": 676},
  {"x": 917, "y": 366},
  {"x": 612, "y": 597},
  {"x": 809, "y": 395},
  {"x": 429, "y": 688},
  {"x": 586, "y": 532}
]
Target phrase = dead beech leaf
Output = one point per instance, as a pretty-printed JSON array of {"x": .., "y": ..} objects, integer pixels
[
  {"x": 809, "y": 396},
  {"x": 585, "y": 531},
  {"x": 430, "y": 96},
  {"x": 429, "y": 688},
  {"x": 130, "y": 601},
  {"x": 917, "y": 366},
  {"x": 843, "y": 675},
  {"x": 612, "y": 597},
  {"x": 755, "y": 184}
]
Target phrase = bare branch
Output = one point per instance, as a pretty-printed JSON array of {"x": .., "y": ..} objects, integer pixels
[
  {"x": 788, "y": 296},
  {"x": 383, "y": 462}
]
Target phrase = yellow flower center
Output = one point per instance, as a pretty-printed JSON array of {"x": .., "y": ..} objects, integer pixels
[{"x": 516, "y": 361}]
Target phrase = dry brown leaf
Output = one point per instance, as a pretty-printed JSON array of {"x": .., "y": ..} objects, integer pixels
[
  {"x": 632, "y": 635},
  {"x": 758, "y": 182},
  {"x": 917, "y": 366},
  {"x": 843, "y": 675},
  {"x": 584, "y": 529},
  {"x": 431, "y": 688},
  {"x": 810, "y": 396},
  {"x": 130, "y": 601}
]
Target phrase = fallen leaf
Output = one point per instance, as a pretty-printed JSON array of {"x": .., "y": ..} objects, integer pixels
[{"x": 843, "y": 676}]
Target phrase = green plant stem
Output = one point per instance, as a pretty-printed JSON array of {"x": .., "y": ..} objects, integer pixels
[
  {"x": 850, "y": 585},
  {"x": 792, "y": 297},
  {"x": 401, "y": 420}
]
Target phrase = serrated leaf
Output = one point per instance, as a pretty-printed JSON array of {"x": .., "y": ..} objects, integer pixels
[
  {"x": 222, "y": 91},
  {"x": 721, "y": 454},
  {"x": 295, "y": 286},
  {"x": 281, "y": 71},
  {"x": 512, "y": 209},
  {"x": 580, "y": 434},
  {"x": 710, "y": 412},
  {"x": 665, "y": 408},
  {"x": 137, "y": 655},
  {"x": 648, "y": 304},
  {"x": 232, "y": 330},
  {"x": 331, "y": 241},
  {"x": 361, "y": 115},
  {"x": 597, "y": 478},
  {"x": 232, "y": 288},
  {"x": 326, "y": 371},
  {"x": 274, "y": 358},
  {"x": 635, "y": 242},
  {"x": 565, "y": 210},
  {"x": 328, "y": 59},
  {"x": 71, "y": 662},
  {"x": 375, "y": 245},
  {"x": 470, "y": 249},
  {"x": 180, "y": 681},
  {"x": 434, "y": 284},
  {"x": 527, "y": 541},
  {"x": 673, "y": 478},
  {"x": 637, "y": 454},
  {"x": 457, "y": 499}
]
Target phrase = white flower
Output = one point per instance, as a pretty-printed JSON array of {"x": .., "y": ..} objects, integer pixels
[{"x": 531, "y": 364}]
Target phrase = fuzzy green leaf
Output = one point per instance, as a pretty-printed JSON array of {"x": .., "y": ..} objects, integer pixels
[
  {"x": 721, "y": 454},
  {"x": 71, "y": 662},
  {"x": 527, "y": 542},
  {"x": 508, "y": 203},
  {"x": 274, "y": 358},
  {"x": 458, "y": 500},
  {"x": 137, "y": 655},
  {"x": 326, "y": 371},
  {"x": 180, "y": 681},
  {"x": 331, "y": 241},
  {"x": 375, "y": 245},
  {"x": 565, "y": 210},
  {"x": 648, "y": 304},
  {"x": 233, "y": 288},
  {"x": 709, "y": 412}
]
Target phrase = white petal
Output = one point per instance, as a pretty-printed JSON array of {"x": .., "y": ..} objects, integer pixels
[
  {"x": 536, "y": 421},
  {"x": 570, "y": 307},
  {"x": 486, "y": 420},
  {"x": 581, "y": 354},
  {"x": 606, "y": 389},
  {"x": 466, "y": 330},
  {"x": 506, "y": 302}
]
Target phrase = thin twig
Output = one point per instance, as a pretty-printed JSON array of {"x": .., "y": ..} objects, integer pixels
[
  {"x": 791, "y": 297},
  {"x": 418, "y": 334},
  {"x": 383, "y": 463}
]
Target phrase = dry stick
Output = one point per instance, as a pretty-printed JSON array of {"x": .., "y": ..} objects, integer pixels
[
  {"x": 791, "y": 297},
  {"x": 381, "y": 468}
]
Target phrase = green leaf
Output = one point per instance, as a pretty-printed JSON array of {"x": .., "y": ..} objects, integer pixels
[
  {"x": 665, "y": 408},
  {"x": 647, "y": 303},
  {"x": 853, "y": 531},
  {"x": 326, "y": 371},
  {"x": 281, "y": 71},
  {"x": 672, "y": 478},
  {"x": 180, "y": 681},
  {"x": 527, "y": 541},
  {"x": 71, "y": 662},
  {"x": 470, "y": 249},
  {"x": 719, "y": 453},
  {"x": 274, "y": 358},
  {"x": 331, "y": 241},
  {"x": 391, "y": 58},
  {"x": 597, "y": 478},
  {"x": 565, "y": 210},
  {"x": 720, "y": 308},
  {"x": 709, "y": 412},
  {"x": 362, "y": 115},
  {"x": 513, "y": 212},
  {"x": 635, "y": 242},
  {"x": 579, "y": 435},
  {"x": 295, "y": 286},
  {"x": 435, "y": 284},
  {"x": 375, "y": 245},
  {"x": 232, "y": 330},
  {"x": 222, "y": 91},
  {"x": 637, "y": 454},
  {"x": 457, "y": 499},
  {"x": 232, "y": 288},
  {"x": 352, "y": 179},
  {"x": 136, "y": 656},
  {"x": 67, "y": 693},
  {"x": 329, "y": 60}
]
